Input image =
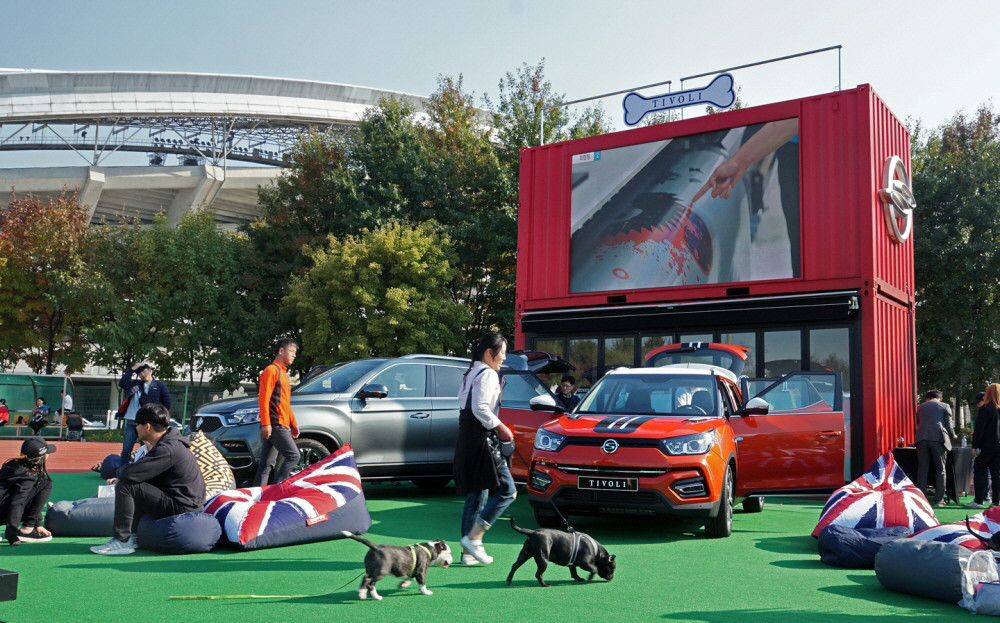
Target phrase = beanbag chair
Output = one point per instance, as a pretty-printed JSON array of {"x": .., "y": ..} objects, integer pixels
[
  {"x": 86, "y": 517},
  {"x": 316, "y": 504},
  {"x": 985, "y": 524},
  {"x": 840, "y": 546},
  {"x": 882, "y": 497},
  {"x": 189, "y": 533},
  {"x": 941, "y": 571},
  {"x": 218, "y": 475},
  {"x": 110, "y": 465}
]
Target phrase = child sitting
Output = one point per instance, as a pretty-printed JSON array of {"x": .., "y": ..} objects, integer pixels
[{"x": 25, "y": 486}]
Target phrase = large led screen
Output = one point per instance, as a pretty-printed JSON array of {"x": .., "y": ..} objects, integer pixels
[{"x": 717, "y": 207}]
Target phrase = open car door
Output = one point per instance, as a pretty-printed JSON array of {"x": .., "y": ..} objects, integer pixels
[{"x": 799, "y": 446}]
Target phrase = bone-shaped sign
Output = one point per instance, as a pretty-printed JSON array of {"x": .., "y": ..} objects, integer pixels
[{"x": 719, "y": 93}]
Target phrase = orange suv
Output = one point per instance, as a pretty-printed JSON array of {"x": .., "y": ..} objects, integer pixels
[{"x": 675, "y": 438}]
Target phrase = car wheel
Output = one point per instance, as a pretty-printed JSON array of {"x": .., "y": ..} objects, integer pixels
[
  {"x": 310, "y": 451},
  {"x": 722, "y": 525},
  {"x": 753, "y": 505},
  {"x": 439, "y": 482},
  {"x": 547, "y": 518}
]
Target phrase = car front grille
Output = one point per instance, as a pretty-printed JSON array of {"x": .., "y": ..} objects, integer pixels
[
  {"x": 205, "y": 423},
  {"x": 634, "y": 472},
  {"x": 623, "y": 442},
  {"x": 573, "y": 495}
]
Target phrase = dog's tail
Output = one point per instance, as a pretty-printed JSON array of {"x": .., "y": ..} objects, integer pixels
[
  {"x": 518, "y": 528},
  {"x": 359, "y": 539}
]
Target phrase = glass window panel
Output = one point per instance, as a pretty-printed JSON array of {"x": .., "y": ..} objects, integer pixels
[
  {"x": 582, "y": 353},
  {"x": 747, "y": 340},
  {"x": 830, "y": 349},
  {"x": 447, "y": 380},
  {"x": 696, "y": 337},
  {"x": 782, "y": 353},
  {"x": 519, "y": 389},
  {"x": 650, "y": 342},
  {"x": 619, "y": 351},
  {"x": 406, "y": 380}
]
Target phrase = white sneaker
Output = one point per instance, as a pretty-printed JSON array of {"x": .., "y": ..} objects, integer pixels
[
  {"x": 476, "y": 549},
  {"x": 114, "y": 547},
  {"x": 974, "y": 505},
  {"x": 469, "y": 560}
]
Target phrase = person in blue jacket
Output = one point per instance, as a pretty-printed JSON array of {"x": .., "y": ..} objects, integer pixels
[{"x": 140, "y": 392}]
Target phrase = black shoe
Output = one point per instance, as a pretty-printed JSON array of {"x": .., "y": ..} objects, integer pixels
[{"x": 34, "y": 536}]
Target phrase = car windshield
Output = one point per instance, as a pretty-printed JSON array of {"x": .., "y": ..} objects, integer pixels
[
  {"x": 338, "y": 378},
  {"x": 652, "y": 394}
]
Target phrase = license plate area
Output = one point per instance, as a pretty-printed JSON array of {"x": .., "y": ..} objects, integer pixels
[{"x": 601, "y": 483}]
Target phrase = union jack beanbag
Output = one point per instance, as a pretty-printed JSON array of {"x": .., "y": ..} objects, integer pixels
[
  {"x": 882, "y": 497},
  {"x": 985, "y": 524},
  {"x": 316, "y": 504}
]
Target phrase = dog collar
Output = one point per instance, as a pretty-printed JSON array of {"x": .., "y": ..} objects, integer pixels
[{"x": 413, "y": 552}]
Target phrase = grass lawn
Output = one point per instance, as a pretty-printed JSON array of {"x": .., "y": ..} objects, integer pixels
[{"x": 768, "y": 570}]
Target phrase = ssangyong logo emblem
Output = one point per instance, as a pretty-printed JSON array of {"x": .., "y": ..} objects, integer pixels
[
  {"x": 610, "y": 446},
  {"x": 897, "y": 199}
]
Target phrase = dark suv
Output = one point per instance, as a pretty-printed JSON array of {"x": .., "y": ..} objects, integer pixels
[{"x": 399, "y": 414}]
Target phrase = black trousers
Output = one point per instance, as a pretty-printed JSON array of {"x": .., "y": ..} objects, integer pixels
[
  {"x": 280, "y": 442},
  {"x": 988, "y": 461},
  {"x": 135, "y": 499}
]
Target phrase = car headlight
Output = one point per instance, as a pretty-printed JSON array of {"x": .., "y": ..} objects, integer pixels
[
  {"x": 247, "y": 416},
  {"x": 689, "y": 444},
  {"x": 546, "y": 440}
]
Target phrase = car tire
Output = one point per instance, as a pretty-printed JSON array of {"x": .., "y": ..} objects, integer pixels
[
  {"x": 753, "y": 505},
  {"x": 722, "y": 525},
  {"x": 547, "y": 518},
  {"x": 310, "y": 452},
  {"x": 439, "y": 482}
]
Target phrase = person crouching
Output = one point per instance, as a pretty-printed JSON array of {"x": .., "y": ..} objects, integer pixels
[
  {"x": 25, "y": 486},
  {"x": 166, "y": 481}
]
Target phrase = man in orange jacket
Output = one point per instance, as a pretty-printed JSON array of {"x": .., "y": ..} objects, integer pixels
[{"x": 278, "y": 429}]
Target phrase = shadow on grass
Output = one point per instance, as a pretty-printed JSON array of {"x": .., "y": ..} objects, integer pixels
[
  {"x": 211, "y": 563},
  {"x": 789, "y": 615},
  {"x": 867, "y": 588},
  {"x": 805, "y": 545}
]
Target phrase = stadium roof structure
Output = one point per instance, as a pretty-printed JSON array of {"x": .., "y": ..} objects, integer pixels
[{"x": 228, "y": 134}]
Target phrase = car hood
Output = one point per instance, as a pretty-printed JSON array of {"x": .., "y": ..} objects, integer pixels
[
  {"x": 220, "y": 407},
  {"x": 640, "y": 426}
]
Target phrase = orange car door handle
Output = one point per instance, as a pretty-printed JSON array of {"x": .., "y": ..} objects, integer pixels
[{"x": 830, "y": 433}]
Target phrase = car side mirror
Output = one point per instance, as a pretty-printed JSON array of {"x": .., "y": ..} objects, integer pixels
[
  {"x": 755, "y": 406},
  {"x": 545, "y": 403},
  {"x": 373, "y": 391}
]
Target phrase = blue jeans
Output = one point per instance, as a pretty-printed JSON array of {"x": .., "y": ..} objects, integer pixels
[
  {"x": 486, "y": 506},
  {"x": 131, "y": 436}
]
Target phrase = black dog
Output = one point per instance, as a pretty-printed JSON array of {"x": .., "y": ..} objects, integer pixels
[
  {"x": 572, "y": 549},
  {"x": 402, "y": 562}
]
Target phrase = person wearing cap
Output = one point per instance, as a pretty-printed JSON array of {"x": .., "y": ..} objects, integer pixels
[
  {"x": 140, "y": 392},
  {"x": 165, "y": 482},
  {"x": 25, "y": 486}
]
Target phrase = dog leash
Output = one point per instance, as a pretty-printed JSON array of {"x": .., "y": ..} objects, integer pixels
[{"x": 213, "y": 597}]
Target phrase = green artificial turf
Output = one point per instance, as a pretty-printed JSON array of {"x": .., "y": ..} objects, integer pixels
[{"x": 768, "y": 570}]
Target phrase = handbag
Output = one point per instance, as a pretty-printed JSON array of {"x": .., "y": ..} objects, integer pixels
[{"x": 501, "y": 450}]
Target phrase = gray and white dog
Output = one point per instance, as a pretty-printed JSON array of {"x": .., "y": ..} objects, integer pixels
[
  {"x": 403, "y": 562},
  {"x": 570, "y": 549}
]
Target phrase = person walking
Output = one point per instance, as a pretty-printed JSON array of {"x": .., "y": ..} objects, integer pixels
[
  {"x": 141, "y": 391},
  {"x": 934, "y": 433},
  {"x": 278, "y": 428},
  {"x": 986, "y": 445},
  {"x": 481, "y": 473},
  {"x": 25, "y": 486}
]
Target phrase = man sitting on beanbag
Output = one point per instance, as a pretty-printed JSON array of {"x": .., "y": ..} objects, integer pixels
[{"x": 164, "y": 482}]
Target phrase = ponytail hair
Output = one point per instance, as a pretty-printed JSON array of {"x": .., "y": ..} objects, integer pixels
[{"x": 489, "y": 342}]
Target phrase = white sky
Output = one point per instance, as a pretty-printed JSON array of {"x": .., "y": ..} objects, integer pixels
[{"x": 926, "y": 59}]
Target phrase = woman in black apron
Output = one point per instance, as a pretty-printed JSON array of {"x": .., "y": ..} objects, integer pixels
[{"x": 481, "y": 473}]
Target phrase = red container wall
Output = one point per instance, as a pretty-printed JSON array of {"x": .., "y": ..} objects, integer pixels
[
  {"x": 889, "y": 373},
  {"x": 845, "y": 138}
]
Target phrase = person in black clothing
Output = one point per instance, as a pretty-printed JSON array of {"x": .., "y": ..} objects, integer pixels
[
  {"x": 24, "y": 489},
  {"x": 565, "y": 396},
  {"x": 986, "y": 443},
  {"x": 165, "y": 481},
  {"x": 39, "y": 416}
]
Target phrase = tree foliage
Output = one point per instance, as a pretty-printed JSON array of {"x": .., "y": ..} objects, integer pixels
[
  {"x": 956, "y": 183},
  {"x": 384, "y": 293},
  {"x": 43, "y": 275}
]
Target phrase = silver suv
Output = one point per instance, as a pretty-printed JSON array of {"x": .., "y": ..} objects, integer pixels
[{"x": 400, "y": 415}]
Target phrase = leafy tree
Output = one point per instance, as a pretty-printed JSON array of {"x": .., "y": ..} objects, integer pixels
[
  {"x": 956, "y": 170},
  {"x": 383, "y": 293},
  {"x": 42, "y": 269}
]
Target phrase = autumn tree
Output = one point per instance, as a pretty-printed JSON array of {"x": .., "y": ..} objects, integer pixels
[
  {"x": 44, "y": 303},
  {"x": 956, "y": 169}
]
